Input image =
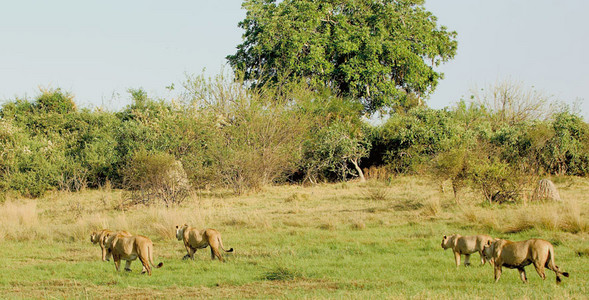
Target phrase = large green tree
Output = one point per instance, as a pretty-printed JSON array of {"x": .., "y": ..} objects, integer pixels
[{"x": 377, "y": 51}]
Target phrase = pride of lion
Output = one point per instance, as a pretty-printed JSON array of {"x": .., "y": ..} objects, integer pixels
[
  {"x": 122, "y": 245},
  {"x": 504, "y": 253}
]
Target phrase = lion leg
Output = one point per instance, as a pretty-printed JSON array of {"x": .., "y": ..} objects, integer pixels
[
  {"x": 466, "y": 260},
  {"x": 540, "y": 269},
  {"x": 103, "y": 254},
  {"x": 190, "y": 253},
  {"x": 215, "y": 252},
  {"x": 128, "y": 266},
  {"x": 497, "y": 273},
  {"x": 522, "y": 275},
  {"x": 457, "y": 258},
  {"x": 187, "y": 256},
  {"x": 146, "y": 267},
  {"x": 117, "y": 261},
  {"x": 483, "y": 260},
  {"x": 214, "y": 245}
]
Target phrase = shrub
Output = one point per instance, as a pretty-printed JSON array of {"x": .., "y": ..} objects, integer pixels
[
  {"x": 453, "y": 165},
  {"x": 55, "y": 101},
  {"x": 407, "y": 142},
  {"x": 332, "y": 149},
  {"x": 336, "y": 140},
  {"x": 252, "y": 137},
  {"x": 567, "y": 151},
  {"x": 497, "y": 180},
  {"x": 155, "y": 176},
  {"x": 259, "y": 147}
]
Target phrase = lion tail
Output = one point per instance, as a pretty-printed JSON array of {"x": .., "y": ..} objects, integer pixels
[
  {"x": 221, "y": 244},
  {"x": 150, "y": 250},
  {"x": 552, "y": 265}
]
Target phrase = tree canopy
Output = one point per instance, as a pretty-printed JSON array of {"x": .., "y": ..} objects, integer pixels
[{"x": 376, "y": 51}]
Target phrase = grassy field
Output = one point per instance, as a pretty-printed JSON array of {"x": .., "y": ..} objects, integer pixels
[{"x": 351, "y": 240}]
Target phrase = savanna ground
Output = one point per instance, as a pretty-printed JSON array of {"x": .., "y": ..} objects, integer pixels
[{"x": 349, "y": 240}]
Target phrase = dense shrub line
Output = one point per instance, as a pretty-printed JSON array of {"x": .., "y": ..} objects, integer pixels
[{"x": 224, "y": 135}]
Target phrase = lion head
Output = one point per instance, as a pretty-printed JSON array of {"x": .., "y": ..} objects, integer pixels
[
  {"x": 180, "y": 231},
  {"x": 449, "y": 241}
]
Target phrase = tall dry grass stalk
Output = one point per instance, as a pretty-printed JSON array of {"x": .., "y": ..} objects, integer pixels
[
  {"x": 18, "y": 220},
  {"x": 573, "y": 221},
  {"x": 432, "y": 207},
  {"x": 565, "y": 217},
  {"x": 376, "y": 191},
  {"x": 327, "y": 207}
]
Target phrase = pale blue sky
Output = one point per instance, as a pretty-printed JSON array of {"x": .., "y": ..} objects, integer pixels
[{"x": 98, "y": 49}]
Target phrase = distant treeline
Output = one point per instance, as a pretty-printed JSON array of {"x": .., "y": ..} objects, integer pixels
[{"x": 224, "y": 135}]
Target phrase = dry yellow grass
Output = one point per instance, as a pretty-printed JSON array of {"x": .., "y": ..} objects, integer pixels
[
  {"x": 18, "y": 220},
  {"x": 570, "y": 215},
  {"x": 72, "y": 216}
]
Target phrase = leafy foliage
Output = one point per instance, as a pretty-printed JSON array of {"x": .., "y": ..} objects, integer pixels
[
  {"x": 407, "y": 141},
  {"x": 152, "y": 177},
  {"x": 55, "y": 101},
  {"x": 226, "y": 135},
  {"x": 567, "y": 151},
  {"x": 376, "y": 51}
]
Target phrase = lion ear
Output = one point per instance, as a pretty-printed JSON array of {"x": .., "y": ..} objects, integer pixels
[
  {"x": 489, "y": 242},
  {"x": 444, "y": 237},
  {"x": 176, "y": 226}
]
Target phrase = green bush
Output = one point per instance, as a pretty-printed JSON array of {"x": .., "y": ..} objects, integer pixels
[
  {"x": 498, "y": 181},
  {"x": 332, "y": 149},
  {"x": 227, "y": 135},
  {"x": 35, "y": 170},
  {"x": 408, "y": 142},
  {"x": 55, "y": 101},
  {"x": 567, "y": 151},
  {"x": 155, "y": 177},
  {"x": 260, "y": 146}
]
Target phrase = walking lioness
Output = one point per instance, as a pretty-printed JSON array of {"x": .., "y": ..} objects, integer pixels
[
  {"x": 517, "y": 255},
  {"x": 97, "y": 237},
  {"x": 129, "y": 248},
  {"x": 195, "y": 239},
  {"x": 466, "y": 245}
]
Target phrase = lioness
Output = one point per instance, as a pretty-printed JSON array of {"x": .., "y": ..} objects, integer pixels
[
  {"x": 98, "y": 237},
  {"x": 195, "y": 239},
  {"x": 517, "y": 255},
  {"x": 130, "y": 248},
  {"x": 466, "y": 245}
]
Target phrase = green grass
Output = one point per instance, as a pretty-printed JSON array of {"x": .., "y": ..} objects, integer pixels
[
  {"x": 303, "y": 246},
  {"x": 392, "y": 261}
]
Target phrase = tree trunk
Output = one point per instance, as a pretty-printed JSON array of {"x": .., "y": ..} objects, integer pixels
[{"x": 360, "y": 173}]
